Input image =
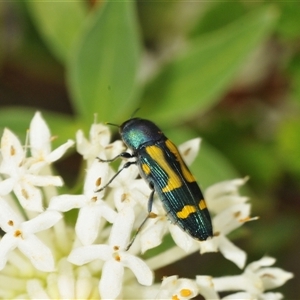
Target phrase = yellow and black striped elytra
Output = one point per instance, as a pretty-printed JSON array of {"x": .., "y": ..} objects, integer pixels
[{"x": 161, "y": 165}]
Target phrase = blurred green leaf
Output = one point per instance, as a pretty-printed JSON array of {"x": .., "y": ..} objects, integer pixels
[
  {"x": 216, "y": 17},
  {"x": 102, "y": 73},
  {"x": 58, "y": 23},
  {"x": 288, "y": 24},
  {"x": 288, "y": 139},
  {"x": 195, "y": 80}
]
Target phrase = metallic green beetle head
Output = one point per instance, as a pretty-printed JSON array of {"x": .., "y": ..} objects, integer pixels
[{"x": 137, "y": 132}]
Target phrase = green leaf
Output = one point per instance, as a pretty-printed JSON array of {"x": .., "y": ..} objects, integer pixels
[
  {"x": 288, "y": 144},
  {"x": 194, "y": 81},
  {"x": 58, "y": 23},
  {"x": 102, "y": 72}
]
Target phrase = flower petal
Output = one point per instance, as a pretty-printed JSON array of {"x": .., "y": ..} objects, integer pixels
[
  {"x": 11, "y": 150},
  {"x": 239, "y": 296},
  {"x": 206, "y": 287},
  {"x": 274, "y": 277},
  {"x": 231, "y": 218},
  {"x": 65, "y": 203},
  {"x": 121, "y": 229},
  {"x": 29, "y": 196},
  {"x": 59, "y": 152},
  {"x": 151, "y": 236},
  {"x": 142, "y": 272},
  {"x": 9, "y": 219},
  {"x": 271, "y": 296},
  {"x": 38, "y": 253},
  {"x": 189, "y": 150},
  {"x": 43, "y": 180},
  {"x": 111, "y": 281},
  {"x": 232, "y": 252},
  {"x": 35, "y": 290},
  {"x": 7, "y": 244},
  {"x": 96, "y": 171},
  {"x": 86, "y": 254},
  {"x": 181, "y": 238},
  {"x": 6, "y": 186},
  {"x": 41, "y": 222},
  {"x": 87, "y": 224},
  {"x": 40, "y": 136}
]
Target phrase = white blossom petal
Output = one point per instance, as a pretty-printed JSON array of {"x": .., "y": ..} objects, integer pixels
[
  {"x": 273, "y": 277},
  {"x": 189, "y": 150},
  {"x": 152, "y": 236},
  {"x": 232, "y": 252},
  {"x": 206, "y": 287},
  {"x": 41, "y": 222},
  {"x": 239, "y": 296},
  {"x": 96, "y": 170},
  {"x": 121, "y": 229},
  {"x": 35, "y": 290},
  {"x": 29, "y": 196},
  {"x": 111, "y": 281},
  {"x": 7, "y": 244},
  {"x": 46, "y": 180},
  {"x": 40, "y": 136},
  {"x": 265, "y": 261},
  {"x": 231, "y": 218},
  {"x": 87, "y": 224},
  {"x": 65, "y": 203},
  {"x": 59, "y": 152},
  {"x": 6, "y": 186},
  {"x": 66, "y": 280},
  {"x": 181, "y": 238},
  {"x": 271, "y": 296},
  {"x": 11, "y": 150},
  {"x": 86, "y": 254},
  {"x": 223, "y": 191},
  {"x": 8, "y": 217},
  {"x": 140, "y": 269},
  {"x": 38, "y": 253}
]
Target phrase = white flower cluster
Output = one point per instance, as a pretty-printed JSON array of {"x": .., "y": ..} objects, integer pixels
[{"x": 43, "y": 257}]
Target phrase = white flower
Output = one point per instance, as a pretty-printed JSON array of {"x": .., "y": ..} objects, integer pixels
[
  {"x": 21, "y": 234},
  {"x": 40, "y": 144},
  {"x": 206, "y": 287},
  {"x": 173, "y": 287},
  {"x": 224, "y": 194},
  {"x": 41, "y": 257},
  {"x": 235, "y": 212},
  {"x": 20, "y": 179},
  {"x": 92, "y": 207},
  {"x": 97, "y": 144},
  {"x": 257, "y": 278},
  {"x": 115, "y": 257}
]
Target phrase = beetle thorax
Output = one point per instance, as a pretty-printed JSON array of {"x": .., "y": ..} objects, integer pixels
[{"x": 137, "y": 132}]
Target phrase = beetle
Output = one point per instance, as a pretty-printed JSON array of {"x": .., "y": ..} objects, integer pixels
[{"x": 162, "y": 167}]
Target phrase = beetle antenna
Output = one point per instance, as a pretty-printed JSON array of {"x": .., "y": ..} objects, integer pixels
[
  {"x": 136, "y": 110},
  {"x": 112, "y": 124}
]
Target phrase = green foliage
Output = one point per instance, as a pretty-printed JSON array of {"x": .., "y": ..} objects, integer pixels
[
  {"x": 58, "y": 23},
  {"x": 194, "y": 81},
  {"x": 102, "y": 70}
]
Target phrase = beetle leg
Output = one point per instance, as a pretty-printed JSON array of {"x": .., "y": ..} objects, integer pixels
[
  {"x": 122, "y": 155},
  {"x": 128, "y": 164},
  {"x": 150, "y": 202}
]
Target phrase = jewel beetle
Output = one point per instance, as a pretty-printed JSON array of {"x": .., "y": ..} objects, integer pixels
[{"x": 162, "y": 167}]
